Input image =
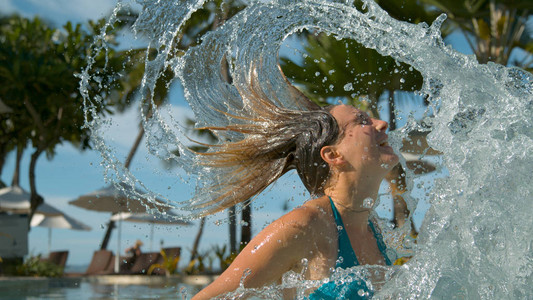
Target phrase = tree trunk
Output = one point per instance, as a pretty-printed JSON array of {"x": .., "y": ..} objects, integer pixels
[
  {"x": 16, "y": 174},
  {"x": 232, "y": 229},
  {"x": 194, "y": 250},
  {"x": 246, "y": 227},
  {"x": 134, "y": 148},
  {"x": 107, "y": 236},
  {"x": 3, "y": 154},
  {"x": 373, "y": 97},
  {"x": 396, "y": 176},
  {"x": 392, "y": 111},
  {"x": 35, "y": 199},
  {"x": 396, "y": 179}
]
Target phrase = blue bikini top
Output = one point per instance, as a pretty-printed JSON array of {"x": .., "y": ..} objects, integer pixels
[{"x": 346, "y": 258}]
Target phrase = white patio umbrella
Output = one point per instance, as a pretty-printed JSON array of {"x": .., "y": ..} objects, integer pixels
[
  {"x": 17, "y": 200},
  {"x": 48, "y": 216},
  {"x": 114, "y": 200},
  {"x": 14, "y": 199},
  {"x": 168, "y": 218}
]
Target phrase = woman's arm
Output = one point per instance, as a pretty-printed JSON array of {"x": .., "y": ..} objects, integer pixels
[{"x": 274, "y": 251}]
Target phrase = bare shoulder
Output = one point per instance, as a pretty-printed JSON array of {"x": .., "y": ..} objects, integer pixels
[
  {"x": 278, "y": 248},
  {"x": 296, "y": 231},
  {"x": 313, "y": 213},
  {"x": 303, "y": 226}
]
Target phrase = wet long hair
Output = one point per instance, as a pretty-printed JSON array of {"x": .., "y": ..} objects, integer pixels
[{"x": 274, "y": 140}]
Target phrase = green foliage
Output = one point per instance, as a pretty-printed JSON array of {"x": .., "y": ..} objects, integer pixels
[
  {"x": 412, "y": 11},
  {"x": 40, "y": 68},
  {"x": 208, "y": 18},
  {"x": 343, "y": 68},
  {"x": 332, "y": 69},
  {"x": 203, "y": 262},
  {"x": 169, "y": 265},
  {"x": 197, "y": 265},
  {"x": 340, "y": 69},
  {"x": 225, "y": 259},
  {"x": 34, "y": 266},
  {"x": 38, "y": 65},
  {"x": 493, "y": 28}
]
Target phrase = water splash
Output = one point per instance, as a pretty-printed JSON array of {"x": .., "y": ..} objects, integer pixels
[{"x": 476, "y": 240}]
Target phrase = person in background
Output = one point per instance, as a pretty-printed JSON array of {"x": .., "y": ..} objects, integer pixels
[{"x": 133, "y": 253}]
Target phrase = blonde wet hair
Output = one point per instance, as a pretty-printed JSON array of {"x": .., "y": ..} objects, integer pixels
[{"x": 273, "y": 141}]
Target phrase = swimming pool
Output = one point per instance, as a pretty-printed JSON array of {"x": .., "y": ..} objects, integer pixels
[{"x": 102, "y": 287}]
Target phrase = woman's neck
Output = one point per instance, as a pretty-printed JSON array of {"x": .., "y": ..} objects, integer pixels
[{"x": 354, "y": 197}]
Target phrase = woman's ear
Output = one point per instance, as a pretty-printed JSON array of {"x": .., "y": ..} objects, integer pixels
[{"x": 331, "y": 156}]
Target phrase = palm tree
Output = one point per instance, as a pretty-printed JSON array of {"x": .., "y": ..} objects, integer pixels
[
  {"x": 493, "y": 28},
  {"x": 37, "y": 67}
]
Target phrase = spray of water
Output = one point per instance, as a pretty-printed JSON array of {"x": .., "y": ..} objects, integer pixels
[{"x": 475, "y": 241}]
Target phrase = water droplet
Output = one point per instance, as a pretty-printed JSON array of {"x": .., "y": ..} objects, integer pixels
[
  {"x": 348, "y": 87},
  {"x": 368, "y": 202}
]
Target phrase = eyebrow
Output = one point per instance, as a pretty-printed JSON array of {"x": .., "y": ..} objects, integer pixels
[{"x": 361, "y": 115}]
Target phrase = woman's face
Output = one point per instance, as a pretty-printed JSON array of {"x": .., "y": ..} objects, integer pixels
[{"x": 364, "y": 143}]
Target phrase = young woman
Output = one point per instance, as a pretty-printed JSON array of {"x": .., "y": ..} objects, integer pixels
[{"x": 341, "y": 155}]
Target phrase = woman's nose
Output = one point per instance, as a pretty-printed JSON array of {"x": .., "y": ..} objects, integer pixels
[{"x": 381, "y": 125}]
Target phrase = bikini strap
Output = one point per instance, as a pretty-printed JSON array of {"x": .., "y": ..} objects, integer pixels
[
  {"x": 381, "y": 244},
  {"x": 346, "y": 256},
  {"x": 349, "y": 259}
]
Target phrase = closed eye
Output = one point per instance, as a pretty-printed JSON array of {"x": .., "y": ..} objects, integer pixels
[{"x": 362, "y": 118}]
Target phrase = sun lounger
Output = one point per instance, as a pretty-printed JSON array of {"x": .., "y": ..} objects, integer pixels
[
  {"x": 102, "y": 263},
  {"x": 125, "y": 264},
  {"x": 143, "y": 262},
  {"x": 57, "y": 258}
]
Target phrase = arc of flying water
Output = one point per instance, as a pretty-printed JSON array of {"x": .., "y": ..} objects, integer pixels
[
  {"x": 96, "y": 126},
  {"x": 418, "y": 45}
]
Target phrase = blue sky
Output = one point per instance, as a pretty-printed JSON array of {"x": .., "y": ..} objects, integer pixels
[{"x": 72, "y": 173}]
